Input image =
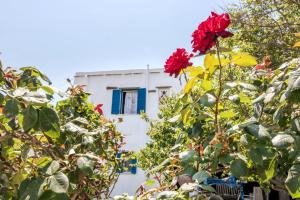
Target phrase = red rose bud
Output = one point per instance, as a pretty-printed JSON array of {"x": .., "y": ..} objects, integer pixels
[
  {"x": 179, "y": 60},
  {"x": 206, "y": 35},
  {"x": 98, "y": 108}
]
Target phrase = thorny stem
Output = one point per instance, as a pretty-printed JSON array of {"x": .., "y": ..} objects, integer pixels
[
  {"x": 185, "y": 77},
  {"x": 217, "y": 122}
]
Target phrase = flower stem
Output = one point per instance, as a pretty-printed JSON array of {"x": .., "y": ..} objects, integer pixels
[
  {"x": 217, "y": 111},
  {"x": 185, "y": 76}
]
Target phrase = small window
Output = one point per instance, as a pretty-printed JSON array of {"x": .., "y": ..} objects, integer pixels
[
  {"x": 129, "y": 102},
  {"x": 162, "y": 93}
]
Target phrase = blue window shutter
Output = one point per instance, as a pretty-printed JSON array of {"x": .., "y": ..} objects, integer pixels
[
  {"x": 116, "y": 99},
  {"x": 141, "y": 105},
  {"x": 119, "y": 155},
  {"x": 133, "y": 168}
]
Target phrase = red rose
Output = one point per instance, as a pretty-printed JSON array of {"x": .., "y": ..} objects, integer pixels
[
  {"x": 179, "y": 60},
  {"x": 206, "y": 35},
  {"x": 98, "y": 108}
]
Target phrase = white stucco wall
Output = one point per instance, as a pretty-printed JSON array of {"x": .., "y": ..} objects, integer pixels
[{"x": 101, "y": 84}]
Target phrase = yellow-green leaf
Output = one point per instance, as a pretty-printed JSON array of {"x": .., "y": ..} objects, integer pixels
[
  {"x": 206, "y": 85},
  {"x": 227, "y": 114},
  {"x": 243, "y": 59},
  {"x": 186, "y": 115},
  {"x": 197, "y": 71},
  {"x": 211, "y": 63},
  {"x": 244, "y": 98},
  {"x": 189, "y": 85}
]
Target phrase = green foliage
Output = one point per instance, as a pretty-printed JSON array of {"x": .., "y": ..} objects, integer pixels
[
  {"x": 47, "y": 152},
  {"x": 266, "y": 28},
  {"x": 164, "y": 134},
  {"x": 235, "y": 120}
]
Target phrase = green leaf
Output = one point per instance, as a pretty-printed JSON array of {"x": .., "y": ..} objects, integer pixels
[
  {"x": 43, "y": 161},
  {"x": 58, "y": 183},
  {"x": 85, "y": 165},
  {"x": 239, "y": 168},
  {"x": 235, "y": 99},
  {"x": 206, "y": 85},
  {"x": 31, "y": 189},
  {"x": 244, "y": 98},
  {"x": 35, "y": 98},
  {"x": 247, "y": 86},
  {"x": 293, "y": 181},
  {"x": 201, "y": 176},
  {"x": 271, "y": 170},
  {"x": 269, "y": 97},
  {"x": 11, "y": 108},
  {"x": 187, "y": 156},
  {"x": 161, "y": 165},
  {"x": 48, "y": 89},
  {"x": 73, "y": 128},
  {"x": 190, "y": 84},
  {"x": 30, "y": 118},
  {"x": 256, "y": 156},
  {"x": 282, "y": 140},
  {"x": 37, "y": 73},
  {"x": 50, "y": 195},
  {"x": 227, "y": 114},
  {"x": 51, "y": 168},
  {"x": 186, "y": 113},
  {"x": 258, "y": 131},
  {"x": 174, "y": 119},
  {"x": 259, "y": 99},
  {"x": 167, "y": 195},
  {"x": 208, "y": 100},
  {"x": 211, "y": 63},
  {"x": 20, "y": 91},
  {"x": 149, "y": 182},
  {"x": 49, "y": 122},
  {"x": 243, "y": 59}
]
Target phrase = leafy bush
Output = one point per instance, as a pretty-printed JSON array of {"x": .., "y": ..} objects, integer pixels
[
  {"x": 240, "y": 117},
  {"x": 47, "y": 152},
  {"x": 266, "y": 27}
]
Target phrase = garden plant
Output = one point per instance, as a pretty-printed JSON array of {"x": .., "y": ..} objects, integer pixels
[
  {"x": 236, "y": 117},
  {"x": 67, "y": 151}
]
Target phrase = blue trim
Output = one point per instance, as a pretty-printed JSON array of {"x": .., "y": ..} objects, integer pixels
[
  {"x": 133, "y": 168},
  {"x": 141, "y": 105},
  {"x": 116, "y": 100}
]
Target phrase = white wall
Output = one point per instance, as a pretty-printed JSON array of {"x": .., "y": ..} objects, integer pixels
[{"x": 133, "y": 127}]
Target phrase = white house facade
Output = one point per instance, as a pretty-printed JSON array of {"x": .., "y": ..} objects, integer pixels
[{"x": 124, "y": 95}]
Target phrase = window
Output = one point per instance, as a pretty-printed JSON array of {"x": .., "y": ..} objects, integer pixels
[
  {"x": 163, "y": 92},
  {"x": 128, "y": 101}
]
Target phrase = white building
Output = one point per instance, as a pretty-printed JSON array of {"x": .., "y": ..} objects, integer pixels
[{"x": 124, "y": 94}]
